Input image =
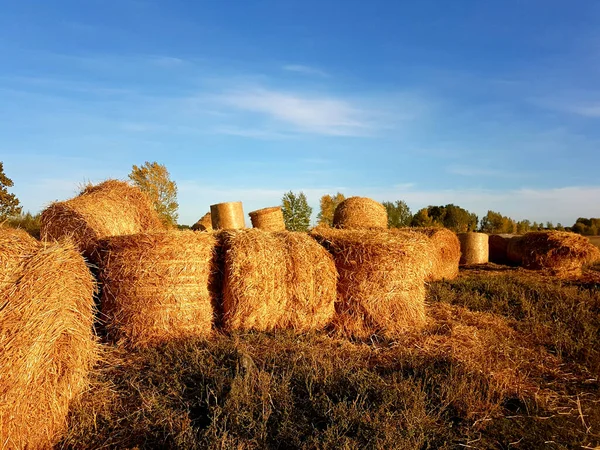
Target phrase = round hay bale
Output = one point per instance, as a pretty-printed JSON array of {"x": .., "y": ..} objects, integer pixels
[
  {"x": 360, "y": 213},
  {"x": 514, "y": 250},
  {"x": 15, "y": 247},
  {"x": 47, "y": 341},
  {"x": 228, "y": 216},
  {"x": 268, "y": 219},
  {"x": 447, "y": 251},
  {"x": 474, "y": 248},
  {"x": 204, "y": 224},
  {"x": 559, "y": 252},
  {"x": 381, "y": 286},
  {"x": 157, "y": 286},
  {"x": 498, "y": 248},
  {"x": 111, "y": 208},
  {"x": 276, "y": 281}
]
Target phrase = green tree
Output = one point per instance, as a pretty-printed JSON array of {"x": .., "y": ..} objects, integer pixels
[
  {"x": 27, "y": 221},
  {"x": 154, "y": 179},
  {"x": 296, "y": 211},
  {"x": 494, "y": 222},
  {"x": 421, "y": 219},
  {"x": 453, "y": 217},
  {"x": 523, "y": 226},
  {"x": 328, "y": 205},
  {"x": 9, "y": 203},
  {"x": 399, "y": 214}
]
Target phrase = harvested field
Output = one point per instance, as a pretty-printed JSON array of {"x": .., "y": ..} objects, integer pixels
[
  {"x": 157, "y": 287},
  {"x": 560, "y": 253},
  {"x": 46, "y": 337},
  {"x": 360, "y": 213},
  {"x": 276, "y": 280},
  {"x": 501, "y": 359},
  {"x": 111, "y": 208},
  {"x": 381, "y": 287}
]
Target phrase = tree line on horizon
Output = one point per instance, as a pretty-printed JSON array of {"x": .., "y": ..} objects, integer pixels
[{"x": 154, "y": 179}]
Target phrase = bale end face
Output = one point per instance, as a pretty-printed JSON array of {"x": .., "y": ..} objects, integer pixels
[
  {"x": 268, "y": 219},
  {"x": 227, "y": 216},
  {"x": 474, "y": 248}
]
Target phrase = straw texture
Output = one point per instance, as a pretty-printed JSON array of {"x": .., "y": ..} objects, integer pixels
[
  {"x": 558, "y": 252},
  {"x": 474, "y": 248},
  {"x": 446, "y": 256},
  {"x": 204, "y": 224},
  {"x": 275, "y": 281},
  {"x": 111, "y": 208},
  {"x": 228, "y": 216},
  {"x": 360, "y": 213},
  {"x": 157, "y": 286},
  {"x": 46, "y": 340},
  {"x": 268, "y": 219},
  {"x": 381, "y": 286}
]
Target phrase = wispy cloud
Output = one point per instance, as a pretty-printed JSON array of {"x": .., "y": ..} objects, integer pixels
[
  {"x": 305, "y": 70},
  {"x": 319, "y": 115}
]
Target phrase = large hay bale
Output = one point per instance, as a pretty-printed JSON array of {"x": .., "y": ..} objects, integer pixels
[
  {"x": 381, "y": 286},
  {"x": 228, "y": 216},
  {"x": 157, "y": 286},
  {"x": 111, "y": 208},
  {"x": 46, "y": 340},
  {"x": 474, "y": 248},
  {"x": 559, "y": 252},
  {"x": 276, "y": 280},
  {"x": 498, "y": 248},
  {"x": 268, "y": 219},
  {"x": 15, "y": 247},
  {"x": 204, "y": 224},
  {"x": 447, "y": 252},
  {"x": 359, "y": 213}
]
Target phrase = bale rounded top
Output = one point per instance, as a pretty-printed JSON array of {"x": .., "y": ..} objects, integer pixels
[
  {"x": 360, "y": 213},
  {"x": 204, "y": 224},
  {"x": 110, "y": 208},
  {"x": 268, "y": 219}
]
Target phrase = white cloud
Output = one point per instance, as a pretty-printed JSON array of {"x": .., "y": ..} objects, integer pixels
[
  {"x": 306, "y": 70},
  {"x": 318, "y": 115}
]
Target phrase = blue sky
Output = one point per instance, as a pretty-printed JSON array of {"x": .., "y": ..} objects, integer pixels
[{"x": 485, "y": 104}]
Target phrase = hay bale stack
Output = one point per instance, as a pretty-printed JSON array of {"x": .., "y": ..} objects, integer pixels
[
  {"x": 381, "y": 286},
  {"x": 360, "y": 213},
  {"x": 157, "y": 286},
  {"x": 204, "y": 224},
  {"x": 276, "y": 281},
  {"x": 111, "y": 208},
  {"x": 498, "y": 248},
  {"x": 268, "y": 219},
  {"x": 228, "y": 216},
  {"x": 474, "y": 248},
  {"x": 447, "y": 252},
  {"x": 559, "y": 252},
  {"x": 46, "y": 340}
]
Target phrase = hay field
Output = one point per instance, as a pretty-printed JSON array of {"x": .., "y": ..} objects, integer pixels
[{"x": 508, "y": 359}]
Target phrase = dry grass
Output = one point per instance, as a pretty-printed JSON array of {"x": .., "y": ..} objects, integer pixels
[
  {"x": 268, "y": 219},
  {"x": 560, "y": 253},
  {"x": 204, "y": 224},
  {"x": 474, "y": 248},
  {"x": 447, "y": 251},
  {"x": 381, "y": 287},
  {"x": 157, "y": 286},
  {"x": 227, "y": 216},
  {"x": 46, "y": 337},
  {"x": 360, "y": 213},
  {"x": 16, "y": 246},
  {"x": 111, "y": 208},
  {"x": 276, "y": 280}
]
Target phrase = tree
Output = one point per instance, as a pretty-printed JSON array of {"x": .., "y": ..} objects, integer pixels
[
  {"x": 422, "y": 219},
  {"x": 523, "y": 226},
  {"x": 328, "y": 205},
  {"x": 399, "y": 214},
  {"x": 296, "y": 211},
  {"x": 153, "y": 179},
  {"x": 9, "y": 203},
  {"x": 494, "y": 222},
  {"x": 453, "y": 217}
]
